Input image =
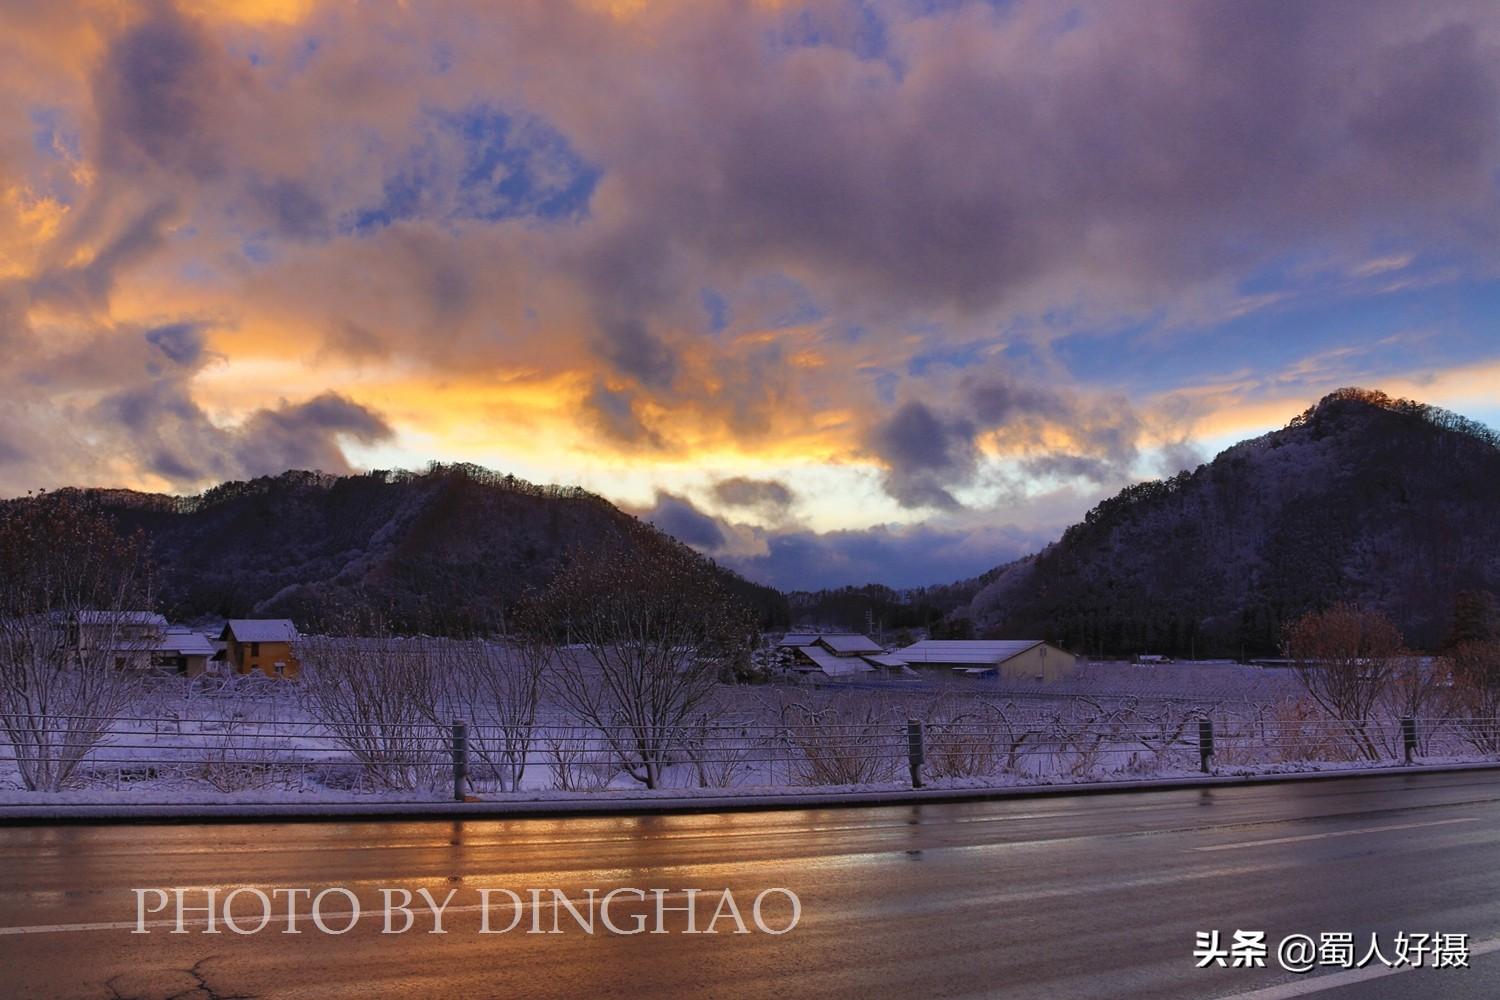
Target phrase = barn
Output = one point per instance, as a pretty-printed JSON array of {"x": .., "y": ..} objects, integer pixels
[{"x": 1011, "y": 659}]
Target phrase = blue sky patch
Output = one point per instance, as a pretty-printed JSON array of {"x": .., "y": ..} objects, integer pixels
[{"x": 483, "y": 164}]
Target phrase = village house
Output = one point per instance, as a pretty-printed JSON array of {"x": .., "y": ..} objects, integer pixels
[
  {"x": 125, "y": 639},
  {"x": 183, "y": 651},
  {"x": 835, "y": 654},
  {"x": 260, "y": 644}
]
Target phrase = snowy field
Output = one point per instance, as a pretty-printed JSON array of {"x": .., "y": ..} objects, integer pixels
[{"x": 257, "y": 742}]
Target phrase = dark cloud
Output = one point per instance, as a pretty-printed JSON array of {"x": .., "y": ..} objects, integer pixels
[
  {"x": 612, "y": 412},
  {"x": 306, "y": 435},
  {"x": 291, "y": 209},
  {"x": 356, "y": 341},
  {"x": 1432, "y": 107},
  {"x": 12, "y": 453},
  {"x": 1180, "y": 456},
  {"x": 798, "y": 559},
  {"x": 172, "y": 467},
  {"x": 996, "y": 400},
  {"x": 985, "y": 153},
  {"x": 181, "y": 343},
  {"x": 898, "y": 557},
  {"x": 158, "y": 92},
  {"x": 924, "y": 453},
  {"x": 169, "y": 434},
  {"x": 679, "y": 518},
  {"x": 766, "y": 495},
  {"x": 634, "y": 350},
  {"x": 928, "y": 451}
]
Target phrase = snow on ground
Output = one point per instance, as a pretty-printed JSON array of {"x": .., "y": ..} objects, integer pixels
[{"x": 1109, "y": 722}]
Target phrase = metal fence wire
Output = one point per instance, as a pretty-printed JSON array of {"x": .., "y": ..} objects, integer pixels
[{"x": 238, "y": 753}]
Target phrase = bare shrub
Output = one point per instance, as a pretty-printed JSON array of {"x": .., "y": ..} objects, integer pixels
[
  {"x": 960, "y": 746},
  {"x": 1475, "y": 670},
  {"x": 576, "y": 763},
  {"x": 237, "y": 754},
  {"x": 720, "y": 755},
  {"x": 844, "y": 743},
  {"x": 1164, "y": 732},
  {"x": 1082, "y": 732},
  {"x": 498, "y": 686},
  {"x": 1015, "y": 730},
  {"x": 1416, "y": 691},
  {"x": 1298, "y": 731},
  {"x": 378, "y": 698}
]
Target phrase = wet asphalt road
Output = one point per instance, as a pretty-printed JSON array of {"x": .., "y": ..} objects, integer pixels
[{"x": 1079, "y": 896}]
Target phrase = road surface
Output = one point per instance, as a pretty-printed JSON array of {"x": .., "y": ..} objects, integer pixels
[{"x": 1081, "y": 896}]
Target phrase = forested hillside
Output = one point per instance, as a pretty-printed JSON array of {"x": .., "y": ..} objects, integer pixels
[
  {"x": 446, "y": 551},
  {"x": 1388, "y": 503}
]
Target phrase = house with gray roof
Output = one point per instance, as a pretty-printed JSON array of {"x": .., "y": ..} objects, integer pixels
[{"x": 1011, "y": 659}]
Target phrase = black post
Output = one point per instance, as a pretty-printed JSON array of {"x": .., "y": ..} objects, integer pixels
[
  {"x": 914, "y": 751},
  {"x": 1409, "y": 737},
  {"x": 1205, "y": 744},
  {"x": 460, "y": 758}
]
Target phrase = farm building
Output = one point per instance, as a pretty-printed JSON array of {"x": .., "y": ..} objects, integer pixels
[
  {"x": 1012, "y": 659},
  {"x": 836, "y": 654}
]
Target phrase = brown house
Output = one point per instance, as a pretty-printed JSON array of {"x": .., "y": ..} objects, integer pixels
[{"x": 264, "y": 644}]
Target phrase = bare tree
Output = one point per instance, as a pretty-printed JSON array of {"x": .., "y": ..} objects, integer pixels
[
  {"x": 651, "y": 629},
  {"x": 68, "y": 645},
  {"x": 379, "y": 697},
  {"x": 1345, "y": 657},
  {"x": 498, "y": 687}
]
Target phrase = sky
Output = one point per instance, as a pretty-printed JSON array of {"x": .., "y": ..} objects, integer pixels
[{"x": 836, "y": 292}]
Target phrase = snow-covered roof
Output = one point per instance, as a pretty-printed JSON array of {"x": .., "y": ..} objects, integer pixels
[
  {"x": 986, "y": 651},
  {"x": 121, "y": 618},
  {"x": 836, "y": 666},
  {"x": 838, "y": 642},
  {"x": 850, "y": 643},
  {"x": 186, "y": 642},
  {"x": 886, "y": 660},
  {"x": 798, "y": 639},
  {"x": 260, "y": 630}
]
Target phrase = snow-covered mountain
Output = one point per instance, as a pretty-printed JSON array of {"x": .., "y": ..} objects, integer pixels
[{"x": 1388, "y": 503}]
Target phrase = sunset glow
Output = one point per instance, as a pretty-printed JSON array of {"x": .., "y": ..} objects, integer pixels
[{"x": 955, "y": 267}]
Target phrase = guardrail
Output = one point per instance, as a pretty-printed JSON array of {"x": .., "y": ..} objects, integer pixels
[{"x": 240, "y": 753}]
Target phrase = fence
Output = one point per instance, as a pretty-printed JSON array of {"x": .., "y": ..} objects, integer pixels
[{"x": 232, "y": 755}]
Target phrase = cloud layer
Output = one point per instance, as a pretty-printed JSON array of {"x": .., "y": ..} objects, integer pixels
[{"x": 844, "y": 262}]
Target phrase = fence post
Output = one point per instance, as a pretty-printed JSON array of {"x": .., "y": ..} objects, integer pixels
[
  {"x": 460, "y": 758},
  {"x": 1205, "y": 744},
  {"x": 914, "y": 750},
  {"x": 1409, "y": 737}
]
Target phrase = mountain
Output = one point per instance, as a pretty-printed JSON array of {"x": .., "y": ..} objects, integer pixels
[
  {"x": 443, "y": 552},
  {"x": 876, "y": 606},
  {"x": 1385, "y": 502}
]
